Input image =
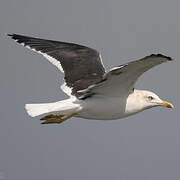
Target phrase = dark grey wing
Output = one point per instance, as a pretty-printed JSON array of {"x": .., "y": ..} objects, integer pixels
[
  {"x": 82, "y": 66},
  {"x": 120, "y": 80}
]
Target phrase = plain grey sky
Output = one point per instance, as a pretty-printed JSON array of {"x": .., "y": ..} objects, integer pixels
[{"x": 141, "y": 147}]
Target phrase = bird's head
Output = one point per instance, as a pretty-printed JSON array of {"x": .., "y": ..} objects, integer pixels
[
  {"x": 150, "y": 99},
  {"x": 140, "y": 100}
]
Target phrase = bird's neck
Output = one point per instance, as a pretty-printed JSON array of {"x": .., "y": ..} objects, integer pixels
[{"x": 134, "y": 102}]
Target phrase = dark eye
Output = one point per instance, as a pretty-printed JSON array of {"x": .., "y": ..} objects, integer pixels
[{"x": 150, "y": 98}]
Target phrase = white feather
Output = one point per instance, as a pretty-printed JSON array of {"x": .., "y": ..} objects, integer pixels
[
  {"x": 64, "y": 107},
  {"x": 64, "y": 87},
  {"x": 36, "y": 109},
  {"x": 67, "y": 89},
  {"x": 56, "y": 63},
  {"x": 52, "y": 60}
]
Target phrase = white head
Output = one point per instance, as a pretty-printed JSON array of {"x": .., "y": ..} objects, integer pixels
[{"x": 140, "y": 100}]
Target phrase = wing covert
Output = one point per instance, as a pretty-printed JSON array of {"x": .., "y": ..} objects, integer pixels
[{"x": 122, "y": 79}]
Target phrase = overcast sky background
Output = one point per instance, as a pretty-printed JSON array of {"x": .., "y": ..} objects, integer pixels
[{"x": 141, "y": 147}]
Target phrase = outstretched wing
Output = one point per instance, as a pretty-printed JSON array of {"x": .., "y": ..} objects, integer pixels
[
  {"x": 121, "y": 79},
  {"x": 82, "y": 66}
]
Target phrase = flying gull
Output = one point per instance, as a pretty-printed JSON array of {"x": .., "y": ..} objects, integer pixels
[{"x": 94, "y": 93}]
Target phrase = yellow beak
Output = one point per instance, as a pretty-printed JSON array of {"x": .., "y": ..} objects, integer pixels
[{"x": 166, "y": 104}]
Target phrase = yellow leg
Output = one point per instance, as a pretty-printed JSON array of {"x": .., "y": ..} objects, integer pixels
[
  {"x": 51, "y": 116},
  {"x": 54, "y": 119}
]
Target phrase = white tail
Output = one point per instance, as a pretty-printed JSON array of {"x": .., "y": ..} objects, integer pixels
[
  {"x": 38, "y": 109},
  {"x": 65, "y": 107}
]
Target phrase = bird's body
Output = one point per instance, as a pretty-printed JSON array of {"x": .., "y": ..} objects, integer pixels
[
  {"x": 103, "y": 108},
  {"x": 110, "y": 108},
  {"x": 93, "y": 92}
]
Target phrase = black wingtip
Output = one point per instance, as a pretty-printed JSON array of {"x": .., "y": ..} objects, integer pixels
[
  {"x": 18, "y": 38},
  {"x": 13, "y": 36},
  {"x": 10, "y": 35},
  {"x": 162, "y": 56}
]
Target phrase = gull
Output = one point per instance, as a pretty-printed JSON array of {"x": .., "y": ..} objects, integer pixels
[{"x": 93, "y": 92}]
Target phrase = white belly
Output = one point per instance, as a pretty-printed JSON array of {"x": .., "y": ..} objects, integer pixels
[{"x": 103, "y": 108}]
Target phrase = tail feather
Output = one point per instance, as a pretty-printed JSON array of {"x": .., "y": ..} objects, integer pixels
[
  {"x": 65, "y": 107},
  {"x": 37, "y": 109}
]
